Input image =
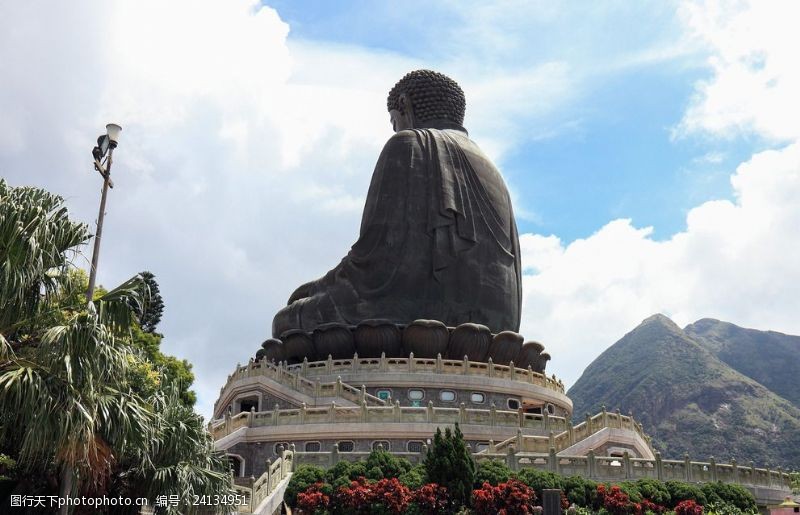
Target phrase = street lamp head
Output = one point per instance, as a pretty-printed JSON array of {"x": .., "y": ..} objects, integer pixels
[{"x": 113, "y": 130}]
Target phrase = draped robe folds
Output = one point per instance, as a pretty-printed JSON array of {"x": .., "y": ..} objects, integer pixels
[{"x": 438, "y": 241}]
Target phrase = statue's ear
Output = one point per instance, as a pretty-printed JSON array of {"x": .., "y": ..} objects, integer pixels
[{"x": 406, "y": 109}]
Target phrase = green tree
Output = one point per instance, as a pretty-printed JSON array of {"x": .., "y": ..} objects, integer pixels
[
  {"x": 493, "y": 472},
  {"x": 71, "y": 411},
  {"x": 150, "y": 314},
  {"x": 449, "y": 463}
]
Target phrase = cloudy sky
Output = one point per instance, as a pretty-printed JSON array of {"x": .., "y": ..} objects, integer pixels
[{"x": 651, "y": 149}]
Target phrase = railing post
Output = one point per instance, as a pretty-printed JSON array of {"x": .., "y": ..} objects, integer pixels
[
  {"x": 735, "y": 471},
  {"x": 275, "y": 414},
  {"x": 605, "y": 417},
  {"x": 329, "y": 364},
  {"x": 465, "y": 365},
  {"x": 317, "y": 389},
  {"x": 462, "y": 413},
  {"x": 520, "y": 444},
  {"x": 411, "y": 362},
  {"x": 687, "y": 468},
  {"x": 303, "y": 413},
  {"x": 355, "y": 362},
  {"x": 626, "y": 460},
  {"x": 552, "y": 460},
  {"x": 251, "y": 416},
  {"x": 530, "y": 375},
  {"x": 429, "y": 413},
  {"x": 396, "y": 411},
  {"x": 332, "y": 412},
  {"x": 713, "y": 464},
  {"x": 551, "y": 439},
  {"x": 338, "y": 386},
  {"x": 384, "y": 366},
  {"x": 364, "y": 413},
  {"x": 619, "y": 418},
  {"x": 492, "y": 415},
  {"x": 571, "y": 430},
  {"x": 769, "y": 478},
  {"x": 590, "y": 460},
  {"x": 588, "y": 425},
  {"x": 304, "y": 366},
  {"x": 490, "y": 364},
  {"x": 546, "y": 418},
  {"x": 512, "y": 371},
  {"x": 659, "y": 467},
  {"x": 439, "y": 366},
  {"x": 511, "y": 460},
  {"x": 521, "y": 416}
]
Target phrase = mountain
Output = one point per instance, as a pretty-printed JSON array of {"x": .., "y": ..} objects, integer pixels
[
  {"x": 689, "y": 400},
  {"x": 771, "y": 358}
]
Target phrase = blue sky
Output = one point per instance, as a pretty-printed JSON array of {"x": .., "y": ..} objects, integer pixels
[
  {"x": 611, "y": 152},
  {"x": 651, "y": 149}
]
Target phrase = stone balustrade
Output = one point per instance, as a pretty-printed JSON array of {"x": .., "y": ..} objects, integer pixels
[
  {"x": 266, "y": 484},
  {"x": 573, "y": 434},
  {"x": 430, "y": 414},
  {"x": 299, "y": 376}
]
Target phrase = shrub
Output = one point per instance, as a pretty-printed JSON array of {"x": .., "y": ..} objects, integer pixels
[
  {"x": 632, "y": 491},
  {"x": 734, "y": 495},
  {"x": 654, "y": 490},
  {"x": 387, "y": 463},
  {"x": 493, "y": 472},
  {"x": 432, "y": 499},
  {"x": 512, "y": 498},
  {"x": 722, "y": 508},
  {"x": 313, "y": 499},
  {"x": 617, "y": 502},
  {"x": 540, "y": 480},
  {"x": 414, "y": 478},
  {"x": 688, "y": 507},
  {"x": 449, "y": 463},
  {"x": 579, "y": 491},
  {"x": 375, "y": 473},
  {"x": 680, "y": 491},
  {"x": 304, "y": 477},
  {"x": 392, "y": 495}
]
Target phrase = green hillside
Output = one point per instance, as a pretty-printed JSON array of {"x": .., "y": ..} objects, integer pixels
[
  {"x": 771, "y": 358},
  {"x": 689, "y": 400}
]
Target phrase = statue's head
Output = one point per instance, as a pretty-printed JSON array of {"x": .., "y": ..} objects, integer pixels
[{"x": 423, "y": 96}]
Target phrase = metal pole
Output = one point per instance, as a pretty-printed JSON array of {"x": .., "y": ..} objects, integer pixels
[{"x": 100, "y": 216}]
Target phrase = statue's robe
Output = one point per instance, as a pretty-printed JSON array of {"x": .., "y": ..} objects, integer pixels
[{"x": 438, "y": 241}]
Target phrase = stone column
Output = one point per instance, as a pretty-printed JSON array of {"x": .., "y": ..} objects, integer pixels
[{"x": 659, "y": 467}]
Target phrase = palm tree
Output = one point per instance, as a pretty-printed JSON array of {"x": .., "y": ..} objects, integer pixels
[{"x": 65, "y": 398}]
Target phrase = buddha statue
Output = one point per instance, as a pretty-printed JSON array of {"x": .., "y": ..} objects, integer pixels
[{"x": 438, "y": 238}]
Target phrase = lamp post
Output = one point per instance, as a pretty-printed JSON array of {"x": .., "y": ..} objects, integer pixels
[{"x": 106, "y": 144}]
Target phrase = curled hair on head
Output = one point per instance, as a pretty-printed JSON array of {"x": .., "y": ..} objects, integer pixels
[{"x": 433, "y": 96}]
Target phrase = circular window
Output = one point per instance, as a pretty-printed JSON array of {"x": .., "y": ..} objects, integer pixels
[
  {"x": 477, "y": 397},
  {"x": 551, "y": 409},
  {"x": 447, "y": 395},
  {"x": 513, "y": 404},
  {"x": 416, "y": 395}
]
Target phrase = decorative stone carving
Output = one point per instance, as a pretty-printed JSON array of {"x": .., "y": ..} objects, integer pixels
[
  {"x": 334, "y": 339},
  {"x": 273, "y": 350},
  {"x": 470, "y": 340},
  {"x": 505, "y": 347},
  {"x": 372, "y": 337},
  {"x": 426, "y": 338},
  {"x": 528, "y": 355},
  {"x": 296, "y": 346}
]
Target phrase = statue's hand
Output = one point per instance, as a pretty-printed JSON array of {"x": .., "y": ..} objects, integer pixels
[{"x": 302, "y": 292}]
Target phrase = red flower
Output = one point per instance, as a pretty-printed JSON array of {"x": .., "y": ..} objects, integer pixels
[
  {"x": 510, "y": 498},
  {"x": 432, "y": 499},
  {"x": 688, "y": 507},
  {"x": 312, "y": 499}
]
